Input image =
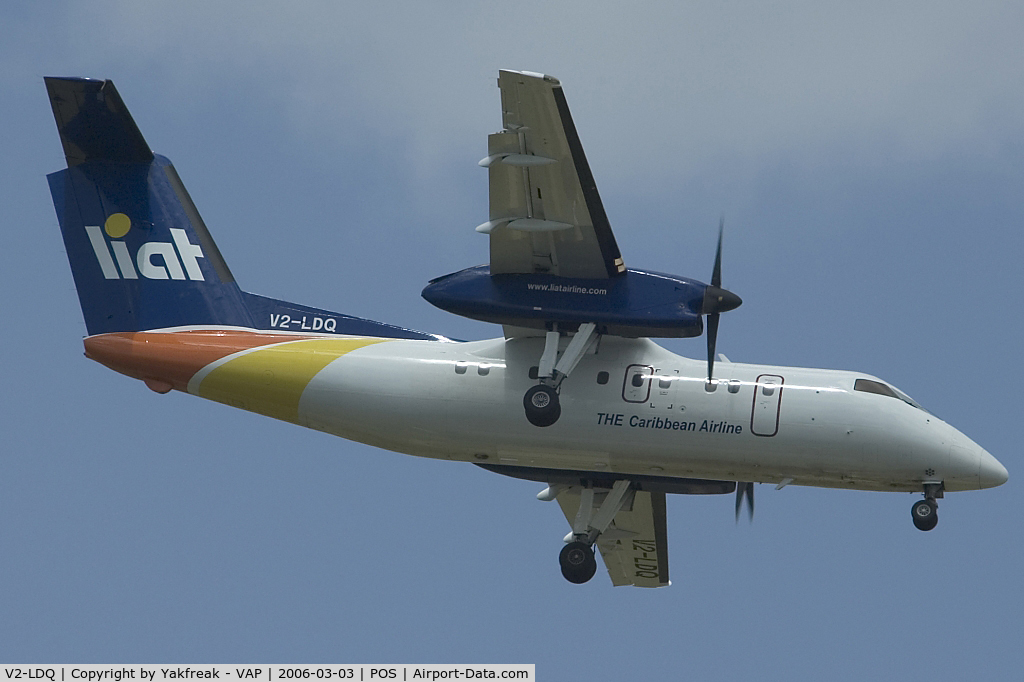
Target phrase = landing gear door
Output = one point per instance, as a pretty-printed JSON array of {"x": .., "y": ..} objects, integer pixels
[
  {"x": 636, "y": 384},
  {"x": 764, "y": 413}
]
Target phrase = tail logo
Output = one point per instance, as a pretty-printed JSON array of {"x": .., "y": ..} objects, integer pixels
[{"x": 177, "y": 260}]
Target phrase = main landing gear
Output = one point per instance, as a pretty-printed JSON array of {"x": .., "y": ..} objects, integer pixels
[
  {"x": 541, "y": 405},
  {"x": 926, "y": 512},
  {"x": 593, "y": 518},
  {"x": 541, "y": 401},
  {"x": 578, "y": 562}
]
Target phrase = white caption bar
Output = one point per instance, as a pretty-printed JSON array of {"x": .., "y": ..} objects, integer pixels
[{"x": 265, "y": 673}]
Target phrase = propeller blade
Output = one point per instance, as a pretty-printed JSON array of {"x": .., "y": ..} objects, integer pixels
[
  {"x": 716, "y": 301},
  {"x": 712, "y": 340},
  {"x": 745, "y": 489},
  {"x": 716, "y": 274}
]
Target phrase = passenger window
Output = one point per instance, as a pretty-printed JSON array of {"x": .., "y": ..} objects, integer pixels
[
  {"x": 664, "y": 383},
  {"x": 460, "y": 368},
  {"x": 483, "y": 370},
  {"x": 734, "y": 386},
  {"x": 768, "y": 390},
  {"x": 638, "y": 380},
  {"x": 711, "y": 386},
  {"x": 602, "y": 378}
]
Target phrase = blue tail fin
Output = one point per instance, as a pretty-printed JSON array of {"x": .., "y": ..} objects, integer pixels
[{"x": 141, "y": 256}]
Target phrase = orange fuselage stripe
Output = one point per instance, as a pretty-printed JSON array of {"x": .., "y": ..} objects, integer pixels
[{"x": 174, "y": 357}]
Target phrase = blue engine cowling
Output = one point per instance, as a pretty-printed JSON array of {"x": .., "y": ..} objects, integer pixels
[{"x": 635, "y": 303}]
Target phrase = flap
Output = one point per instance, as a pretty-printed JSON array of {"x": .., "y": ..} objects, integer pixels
[{"x": 545, "y": 212}]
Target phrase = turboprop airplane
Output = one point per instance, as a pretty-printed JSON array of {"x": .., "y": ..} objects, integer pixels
[{"x": 574, "y": 395}]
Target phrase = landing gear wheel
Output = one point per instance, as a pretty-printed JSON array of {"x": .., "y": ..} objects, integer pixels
[
  {"x": 541, "y": 405},
  {"x": 925, "y": 514},
  {"x": 578, "y": 562}
]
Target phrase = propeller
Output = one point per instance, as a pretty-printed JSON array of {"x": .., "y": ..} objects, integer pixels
[
  {"x": 717, "y": 301},
  {"x": 745, "y": 489}
]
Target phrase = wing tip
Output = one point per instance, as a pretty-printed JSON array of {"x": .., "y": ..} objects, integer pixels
[{"x": 533, "y": 74}]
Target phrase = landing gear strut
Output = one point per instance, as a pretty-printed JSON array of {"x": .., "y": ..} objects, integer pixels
[
  {"x": 926, "y": 512},
  {"x": 541, "y": 401},
  {"x": 595, "y": 514}
]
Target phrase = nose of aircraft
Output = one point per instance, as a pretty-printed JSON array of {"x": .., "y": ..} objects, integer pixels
[{"x": 990, "y": 471}]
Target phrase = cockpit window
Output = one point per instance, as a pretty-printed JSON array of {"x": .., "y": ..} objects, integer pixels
[
  {"x": 878, "y": 387},
  {"x": 869, "y": 386}
]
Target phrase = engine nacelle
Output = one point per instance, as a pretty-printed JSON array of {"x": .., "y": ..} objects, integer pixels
[{"x": 635, "y": 303}]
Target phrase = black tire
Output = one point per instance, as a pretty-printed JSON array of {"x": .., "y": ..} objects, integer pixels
[
  {"x": 925, "y": 514},
  {"x": 541, "y": 405},
  {"x": 577, "y": 562}
]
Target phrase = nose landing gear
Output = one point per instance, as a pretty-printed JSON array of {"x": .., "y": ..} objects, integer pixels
[{"x": 925, "y": 513}]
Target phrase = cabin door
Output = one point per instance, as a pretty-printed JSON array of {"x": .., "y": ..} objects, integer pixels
[{"x": 764, "y": 413}]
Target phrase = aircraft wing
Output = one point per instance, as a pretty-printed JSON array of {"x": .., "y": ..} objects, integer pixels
[
  {"x": 545, "y": 213},
  {"x": 635, "y": 545}
]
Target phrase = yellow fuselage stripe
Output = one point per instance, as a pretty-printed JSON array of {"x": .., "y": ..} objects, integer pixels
[{"x": 271, "y": 380}]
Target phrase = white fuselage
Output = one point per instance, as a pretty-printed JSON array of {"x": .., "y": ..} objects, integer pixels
[{"x": 634, "y": 408}]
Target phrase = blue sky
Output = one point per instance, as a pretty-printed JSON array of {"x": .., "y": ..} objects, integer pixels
[{"x": 868, "y": 160}]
